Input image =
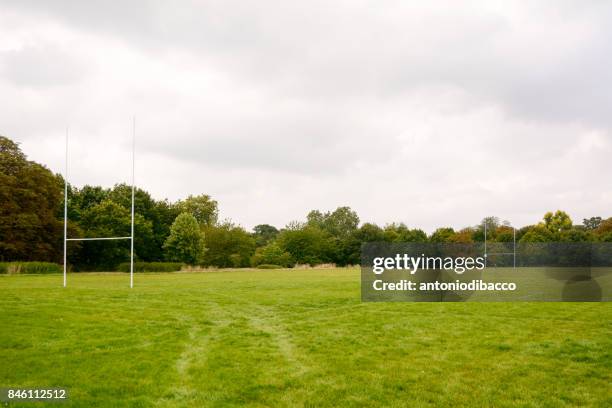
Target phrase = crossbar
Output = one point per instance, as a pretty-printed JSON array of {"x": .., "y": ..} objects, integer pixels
[{"x": 96, "y": 239}]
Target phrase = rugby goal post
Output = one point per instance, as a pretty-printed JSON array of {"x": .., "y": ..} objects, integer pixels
[
  {"x": 131, "y": 237},
  {"x": 513, "y": 253}
]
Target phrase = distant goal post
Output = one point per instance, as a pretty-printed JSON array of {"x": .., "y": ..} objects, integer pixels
[{"x": 130, "y": 238}]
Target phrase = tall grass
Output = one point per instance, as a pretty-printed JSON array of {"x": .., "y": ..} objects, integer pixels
[
  {"x": 15, "y": 268},
  {"x": 151, "y": 267}
]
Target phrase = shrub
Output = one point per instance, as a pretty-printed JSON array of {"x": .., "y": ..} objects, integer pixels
[
  {"x": 271, "y": 254},
  {"x": 30, "y": 267},
  {"x": 151, "y": 267},
  {"x": 269, "y": 266},
  {"x": 229, "y": 246}
]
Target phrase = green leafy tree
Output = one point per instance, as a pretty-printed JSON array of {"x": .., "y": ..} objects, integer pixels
[
  {"x": 81, "y": 200},
  {"x": 557, "y": 221},
  {"x": 308, "y": 245},
  {"x": 264, "y": 233},
  {"x": 401, "y": 233},
  {"x": 504, "y": 234},
  {"x": 202, "y": 207},
  {"x": 592, "y": 223},
  {"x": 109, "y": 219},
  {"x": 315, "y": 218},
  {"x": 575, "y": 235},
  {"x": 415, "y": 235},
  {"x": 340, "y": 223},
  {"x": 369, "y": 232},
  {"x": 228, "y": 246},
  {"x": 340, "y": 226},
  {"x": 442, "y": 235},
  {"x": 271, "y": 254},
  {"x": 92, "y": 195},
  {"x": 30, "y": 202},
  {"x": 122, "y": 194},
  {"x": 186, "y": 241},
  {"x": 161, "y": 214},
  {"x": 537, "y": 233},
  {"x": 492, "y": 224}
]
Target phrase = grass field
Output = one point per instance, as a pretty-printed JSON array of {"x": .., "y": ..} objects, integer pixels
[{"x": 293, "y": 338}]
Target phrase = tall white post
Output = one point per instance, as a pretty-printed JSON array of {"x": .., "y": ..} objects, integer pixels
[
  {"x": 132, "y": 240},
  {"x": 65, "y": 206},
  {"x": 514, "y": 241},
  {"x": 485, "y": 242}
]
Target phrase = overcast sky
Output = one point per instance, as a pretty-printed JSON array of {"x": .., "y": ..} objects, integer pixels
[{"x": 428, "y": 115}]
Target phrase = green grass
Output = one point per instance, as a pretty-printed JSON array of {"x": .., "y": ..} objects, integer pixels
[{"x": 293, "y": 338}]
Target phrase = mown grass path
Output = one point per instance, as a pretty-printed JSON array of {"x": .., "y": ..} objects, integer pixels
[{"x": 293, "y": 338}]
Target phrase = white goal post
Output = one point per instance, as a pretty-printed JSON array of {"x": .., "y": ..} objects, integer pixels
[
  {"x": 131, "y": 237},
  {"x": 513, "y": 253}
]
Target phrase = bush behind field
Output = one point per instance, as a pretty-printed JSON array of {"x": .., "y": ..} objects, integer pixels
[
  {"x": 15, "y": 268},
  {"x": 151, "y": 267},
  {"x": 269, "y": 266}
]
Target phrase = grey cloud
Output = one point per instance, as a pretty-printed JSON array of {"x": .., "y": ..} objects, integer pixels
[
  {"x": 464, "y": 108},
  {"x": 347, "y": 51},
  {"x": 41, "y": 65},
  {"x": 312, "y": 144}
]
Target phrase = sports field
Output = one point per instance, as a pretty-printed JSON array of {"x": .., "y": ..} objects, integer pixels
[{"x": 293, "y": 338}]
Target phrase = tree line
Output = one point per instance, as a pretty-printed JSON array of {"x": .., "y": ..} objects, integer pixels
[{"x": 189, "y": 230}]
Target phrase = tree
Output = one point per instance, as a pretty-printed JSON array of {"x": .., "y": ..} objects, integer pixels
[
  {"x": 202, "y": 207},
  {"x": 575, "y": 235},
  {"x": 558, "y": 221},
  {"x": 160, "y": 213},
  {"x": 504, "y": 234},
  {"x": 591, "y": 223},
  {"x": 316, "y": 218},
  {"x": 81, "y": 200},
  {"x": 369, "y": 232},
  {"x": 122, "y": 194},
  {"x": 228, "y": 246},
  {"x": 604, "y": 227},
  {"x": 339, "y": 226},
  {"x": 308, "y": 245},
  {"x": 537, "y": 233},
  {"x": 271, "y": 254},
  {"x": 30, "y": 202},
  {"x": 186, "y": 241},
  {"x": 340, "y": 223},
  {"x": 163, "y": 215},
  {"x": 492, "y": 223},
  {"x": 401, "y": 233},
  {"x": 604, "y": 231},
  {"x": 522, "y": 231},
  {"x": 264, "y": 233},
  {"x": 462, "y": 237},
  {"x": 442, "y": 235},
  {"x": 109, "y": 219}
]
